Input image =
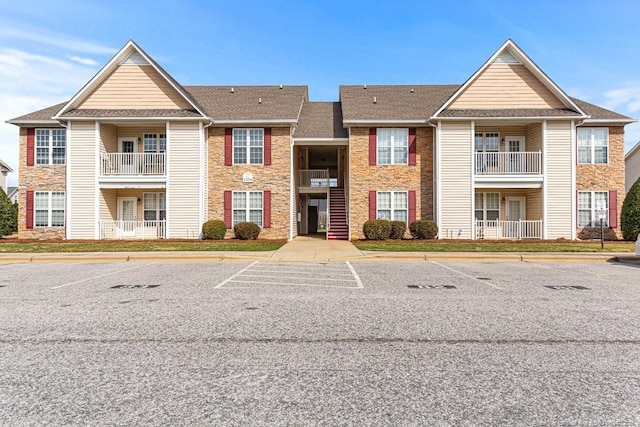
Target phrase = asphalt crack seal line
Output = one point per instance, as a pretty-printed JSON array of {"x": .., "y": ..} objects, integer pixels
[{"x": 467, "y": 275}]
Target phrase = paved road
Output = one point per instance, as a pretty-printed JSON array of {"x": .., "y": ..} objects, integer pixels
[{"x": 320, "y": 344}]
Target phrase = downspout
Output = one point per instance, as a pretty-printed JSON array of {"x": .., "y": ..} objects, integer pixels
[
  {"x": 436, "y": 175},
  {"x": 67, "y": 186},
  {"x": 292, "y": 191},
  {"x": 204, "y": 171}
]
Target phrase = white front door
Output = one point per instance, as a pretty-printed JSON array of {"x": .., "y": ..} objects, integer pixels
[
  {"x": 515, "y": 210},
  {"x": 127, "y": 216},
  {"x": 515, "y": 160}
]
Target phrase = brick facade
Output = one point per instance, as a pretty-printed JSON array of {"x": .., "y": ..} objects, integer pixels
[
  {"x": 37, "y": 178},
  {"x": 364, "y": 178},
  {"x": 274, "y": 177},
  {"x": 604, "y": 177}
]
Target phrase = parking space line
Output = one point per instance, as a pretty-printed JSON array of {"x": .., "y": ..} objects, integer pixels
[
  {"x": 466, "y": 275},
  {"x": 102, "y": 275},
  {"x": 308, "y": 267},
  {"x": 311, "y": 285},
  {"x": 221, "y": 284},
  {"x": 294, "y": 277},
  {"x": 257, "y": 270},
  {"x": 355, "y": 275}
]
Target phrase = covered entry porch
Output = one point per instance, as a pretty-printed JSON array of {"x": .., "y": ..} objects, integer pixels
[
  {"x": 132, "y": 214},
  {"x": 508, "y": 213}
]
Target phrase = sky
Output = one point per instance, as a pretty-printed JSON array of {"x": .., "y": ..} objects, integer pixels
[{"x": 50, "y": 48}]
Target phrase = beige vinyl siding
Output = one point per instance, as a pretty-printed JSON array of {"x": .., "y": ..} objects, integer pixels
[
  {"x": 82, "y": 180},
  {"x": 558, "y": 180},
  {"x": 108, "y": 138},
  {"x": 455, "y": 180},
  {"x": 136, "y": 87},
  {"x": 184, "y": 180},
  {"x": 108, "y": 200},
  {"x": 506, "y": 86},
  {"x": 632, "y": 170},
  {"x": 534, "y": 203},
  {"x": 534, "y": 137}
]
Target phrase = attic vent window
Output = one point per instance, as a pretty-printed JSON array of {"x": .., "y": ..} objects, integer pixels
[
  {"x": 506, "y": 58},
  {"x": 134, "y": 58}
]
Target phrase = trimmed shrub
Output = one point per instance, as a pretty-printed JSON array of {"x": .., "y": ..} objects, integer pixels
[
  {"x": 8, "y": 215},
  {"x": 423, "y": 229},
  {"x": 246, "y": 230},
  {"x": 397, "y": 229},
  {"x": 377, "y": 229},
  {"x": 630, "y": 215},
  {"x": 214, "y": 229}
]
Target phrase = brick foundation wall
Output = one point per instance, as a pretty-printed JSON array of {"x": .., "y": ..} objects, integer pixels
[
  {"x": 604, "y": 177},
  {"x": 274, "y": 177},
  {"x": 37, "y": 178},
  {"x": 364, "y": 178}
]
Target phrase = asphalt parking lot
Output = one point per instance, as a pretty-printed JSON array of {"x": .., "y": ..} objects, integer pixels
[{"x": 335, "y": 343}]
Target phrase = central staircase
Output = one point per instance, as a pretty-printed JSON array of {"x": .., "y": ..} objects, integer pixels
[{"x": 338, "y": 228}]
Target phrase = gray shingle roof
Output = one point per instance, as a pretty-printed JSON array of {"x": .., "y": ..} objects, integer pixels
[
  {"x": 393, "y": 102},
  {"x": 130, "y": 113},
  {"x": 250, "y": 102},
  {"x": 321, "y": 120},
  {"x": 511, "y": 112},
  {"x": 44, "y": 114},
  {"x": 599, "y": 113}
]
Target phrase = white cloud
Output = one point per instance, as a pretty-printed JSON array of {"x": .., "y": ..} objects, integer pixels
[
  {"x": 83, "y": 61},
  {"x": 625, "y": 98},
  {"x": 48, "y": 38}
]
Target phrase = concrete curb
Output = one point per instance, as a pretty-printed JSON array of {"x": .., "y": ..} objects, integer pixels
[{"x": 272, "y": 256}]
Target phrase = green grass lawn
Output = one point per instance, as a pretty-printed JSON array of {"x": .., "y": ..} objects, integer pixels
[
  {"x": 13, "y": 246},
  {"x": 491, "y": 246}
]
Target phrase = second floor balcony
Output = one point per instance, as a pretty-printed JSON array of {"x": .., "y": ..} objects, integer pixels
[
  {"x": 132, "y": 164},
  {"x": 508, "y": 163}
]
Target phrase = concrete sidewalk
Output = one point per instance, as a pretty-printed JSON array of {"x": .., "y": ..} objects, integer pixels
[{"x": 314, "y": 249}]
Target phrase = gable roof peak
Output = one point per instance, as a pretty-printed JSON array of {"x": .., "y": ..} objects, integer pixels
[
  {"x": 510, "y": 51},
  {"x": 129, "y": 50}
]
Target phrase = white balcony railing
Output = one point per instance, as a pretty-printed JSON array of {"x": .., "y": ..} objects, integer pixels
[
  {"x": 114, "y": 164},
  {"x": 522, "y": 229},
  {"x": 132, "y": 229},
  {"x": 509, "y": 163},
  {"x": 314, "y": 178}
]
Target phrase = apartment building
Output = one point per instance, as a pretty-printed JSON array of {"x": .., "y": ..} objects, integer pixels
[{"x": 134, "y": 154}]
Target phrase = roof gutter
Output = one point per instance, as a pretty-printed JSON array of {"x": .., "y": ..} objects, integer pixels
[
  {"x": 510, "y": 118},
  {"x": 385, "y": 122},
  {"x": 255, "y": 121}
]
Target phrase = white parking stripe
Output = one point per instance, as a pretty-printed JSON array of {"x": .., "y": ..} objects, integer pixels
[
  {"x": 295, "y": 284},
  {"x": 355, "y": 275},
  {"x": 466, "y": 275},
  {"x": 257, "y": 270},
  {"x": 321, "y": 279},
  {"x": 102, "y": 275},
  {"x": 221, "y": 284}
]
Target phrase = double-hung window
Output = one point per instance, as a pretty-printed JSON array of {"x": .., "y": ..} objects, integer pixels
[
  {"x": 50, "y": 146},
  {"x": 593, "y": 145},
  {"x": 393, "y": 146},
  {"x": 487, "y": 206},
  {"x": 590, "y": 204},
  {"x": 49, "y": 209},
  {"x": 392, "y": 206},
  {"x": 154, "y": 206},
  {"x": 248, "y": 146},
  {"x": 247, "y": 207},
  {"x": 155, "y": 143},
  {"x": 487, "y": 143}
]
